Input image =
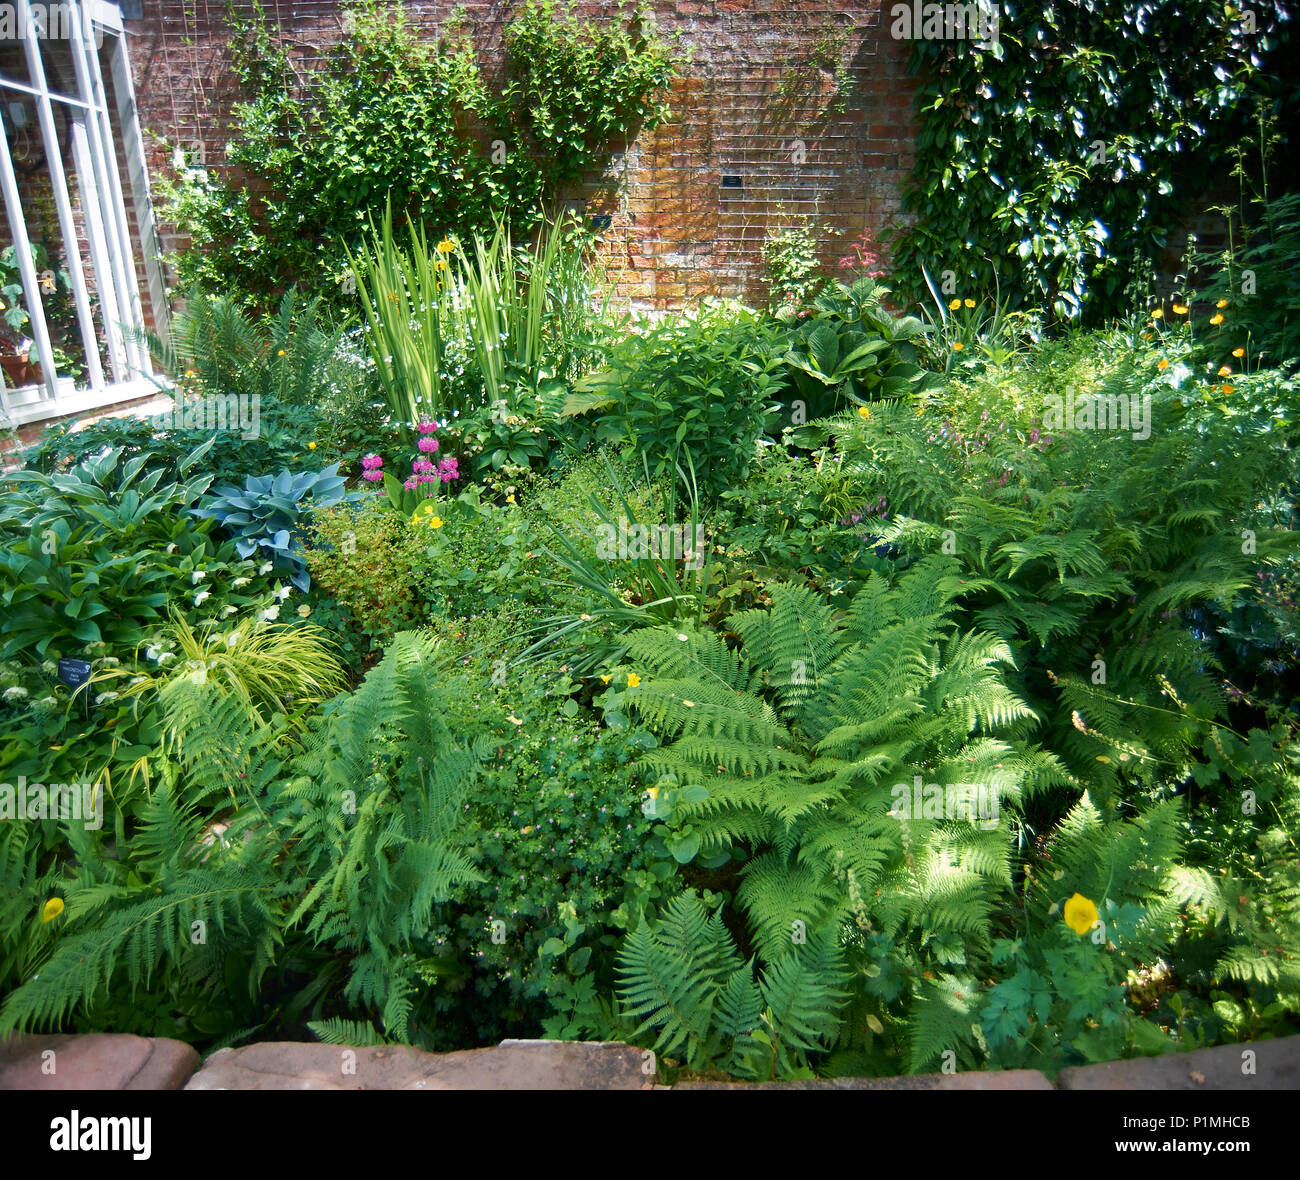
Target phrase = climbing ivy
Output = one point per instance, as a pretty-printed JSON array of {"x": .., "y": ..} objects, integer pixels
[
  {"x": 1055, "y": 162},
  {"x": 318, "y": 148}
]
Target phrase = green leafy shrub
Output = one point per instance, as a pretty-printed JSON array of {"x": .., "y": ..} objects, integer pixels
[
  {"x": 851, "y": 349},
  {"x": 701, "y": 386},
  {"x": 94, "y": 555}
]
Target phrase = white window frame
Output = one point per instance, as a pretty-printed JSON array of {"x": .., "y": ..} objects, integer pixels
[{"x": 94, "y": 153}]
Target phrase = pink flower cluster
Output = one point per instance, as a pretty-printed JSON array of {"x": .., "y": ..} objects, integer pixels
[
  {"x": 423, "y": 471},
  {"x": 863, "y": 256},
  {"x": 372, "y": 468},
  {"x": 427, "y": 444}
]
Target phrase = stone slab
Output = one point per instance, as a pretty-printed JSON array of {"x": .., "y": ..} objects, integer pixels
[
  {"x": 96, "y": 1061},
  {"x": 1275, "y": 1066},
  {"x": 1007, "y": 1079},
  {"x": 512, "y": 1065}
]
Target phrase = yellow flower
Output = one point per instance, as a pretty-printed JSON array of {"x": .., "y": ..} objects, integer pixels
[
  {"x": 280, "y": 353},
  {"x": 954, "y": 305},
  {"x": 1080, "y": 914},
  {"x": 1217, "y": 318},
  {"x": 53, "y": 908},
  {"x": 510, "y": 499},
  {"x": 1158, "y": 314},
  {"x": 653, "y": 792},
  {"x": 311, "y": 446},
  {"x": 633, "y": 680},
  {"x": 1239, "y": 353},
  {"x": 440, "y": 264},
  {"x": 1222, "y": 303},
  {"x": 1162, "y": 364},
  {"x": 606, "y": 679},
  {"x": 1180, "y": 309},
  {"x": 968, "y": 302},
  {"x": 435, "y": 522},
  {"x": 190, "y": 373},
  {"x": 1227, "y": 388},
  {"x": 304, "y": 611},
  {"x": 1224, "y": 371},
  {"x": 863, "y": 412},
  {"x": 446, "y": 246},
  {"x": 957, "y": 346}
]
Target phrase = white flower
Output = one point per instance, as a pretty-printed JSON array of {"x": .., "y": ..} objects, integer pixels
[
  {"x": 227, "y": 611},
  {"x": 15, "y": 693},
  {"x": 271, "y": 614},
  {"x": 151, "y": 652},
  {"x": 196, "y": 577},
  {"x": 137, "y": 680},
  {"x": 109, "y": 662},
  {"x": 50, "y": 668},
  {"x": 265, "y": 567},
  {"x": 240, "y": 582},
  {"x": 166, "y": 658},
  {"x": 282, "y": 593},
  {"x": 105, "y": 697},
  {"x": 200, "y": 596},
  {"x": 47, "y": 703}
]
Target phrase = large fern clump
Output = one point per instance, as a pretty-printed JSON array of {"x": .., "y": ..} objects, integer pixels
[{"x": 801, "y": 756}]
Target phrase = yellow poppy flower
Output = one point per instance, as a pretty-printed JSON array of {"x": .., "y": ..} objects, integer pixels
[
  {"x": 1162, "y": 364},
  {"x": 311, "y": 446},
  {"x": 954, "y": 305},
  {"x": 1158, "y": 314},
  {"x": 1224, "y": 371},
  {"x": 606, "y": 679},
  {"x": 1238, "y": 352},
  {"x": 968, "y": 302},
  {"x": 653, "y": 792},
  {"x": 957, "y": 346},
  {"x": 1217, "y": 318},
  {"x": 435, "y": 522},
  {"x": 633, "y": 680},
  {"x": 446, "y": 246},
  {"x": 1222, "y": 303},
  {"x": 1080, "y": 914},
  {"x": 53, "y": 908},
  {"x": 1180, "y": 309},
  {"x": 863, "y": 412},
  {"x": 1227, "y": 388},
  {"x": 280, "y": 353}
]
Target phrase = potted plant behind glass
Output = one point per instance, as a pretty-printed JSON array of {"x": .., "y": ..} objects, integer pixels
[{"x": 19, "y": 366}]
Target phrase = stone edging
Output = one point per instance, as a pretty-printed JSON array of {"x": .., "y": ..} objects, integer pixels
[{"x": 114, "y": 1061}]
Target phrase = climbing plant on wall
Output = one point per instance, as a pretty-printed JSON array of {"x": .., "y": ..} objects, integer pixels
[
  {"x": 1056, "y": 161},
  {"x": 317, "y": 149}
]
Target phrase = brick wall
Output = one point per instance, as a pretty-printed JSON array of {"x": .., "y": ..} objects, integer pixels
[{"x": 759, "y": 101}]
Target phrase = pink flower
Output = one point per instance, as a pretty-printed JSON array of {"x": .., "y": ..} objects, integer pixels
[
  {"x": 373, "y": 476},
  {"x": 427, "y": 444},
  {"x": 426, "y": 427},
  {"x": 370, "y": 462},
  {"x": 449, "y": 469},
  {"x": 409, "y": 485}
]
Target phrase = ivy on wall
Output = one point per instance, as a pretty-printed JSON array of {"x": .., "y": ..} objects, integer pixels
[
  {"x": 313, "y": 156},
  {"x": 1055, "y": 162}
]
